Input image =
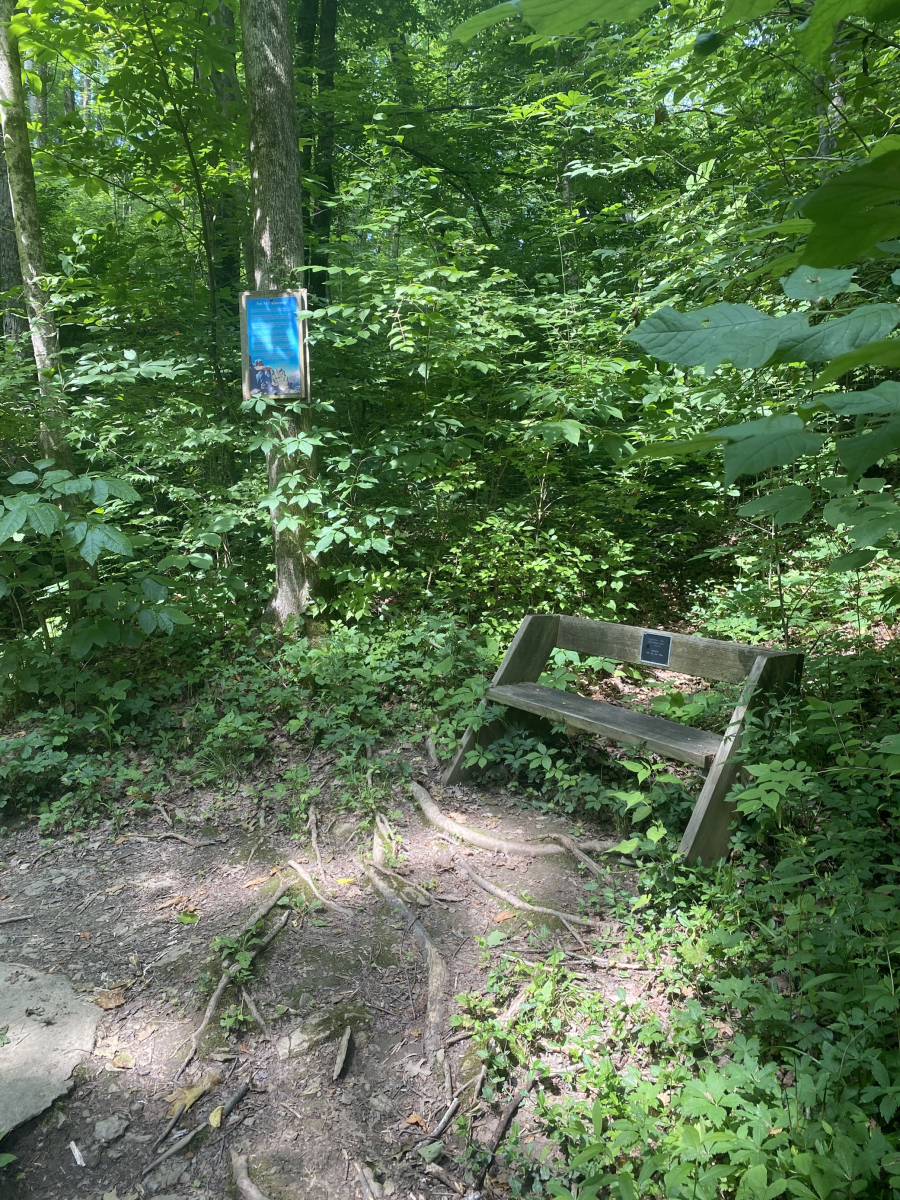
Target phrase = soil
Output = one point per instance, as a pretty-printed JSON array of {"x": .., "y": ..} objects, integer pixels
[{"x": 127, "y": 915}]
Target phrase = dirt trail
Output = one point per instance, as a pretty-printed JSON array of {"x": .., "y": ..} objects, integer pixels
[{"x": 119, "y": 911}]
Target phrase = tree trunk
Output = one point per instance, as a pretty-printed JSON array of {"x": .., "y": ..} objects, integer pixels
[
  {"x": 276, "y": 206},
  {"x": 44, "y": 335},
  {"x": 14, "y": 323},
  {"x": 37, "y": 104},
  {"x": 229, "y": 209},
  {"x": 307, "y": 19},
  {"x": 327, "y": 58}
]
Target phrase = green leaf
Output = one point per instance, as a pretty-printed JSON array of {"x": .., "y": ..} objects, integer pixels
[
  {"x": 154, "y": 589},
  {"x": 104, "y": 537},
  {"x": 187, "y": 918},
  {"x": 736, "y": 11},
  {"x": 11, "y": 522},
  {"x": 785, "y": 506},
  {"x": 554, "y": 18},
  {"x": 484, "y": 20},
  {"x": 883, "y": 400},
  {"x": 626, "y": 847},
  {"x": 885, "y": 353},
  {"x": 558, "y": 431},
  {"x": 147, "y": 620},
  {"x": 99, "y": 492},
  {"x": 855, "y": 210},
  {"x": 816, "y": 283},
  {"x": 841, "y": 336},
  {"x": 203, "y": 561},
  {"x": 852, "y": 561},
  {"x": 770, "y": 442},
  {"x": 45, "y": 519},
  {"x": 121, "y": 490},
  {"x": 23, "y": 477},
  {"x": 859, "y": 453},
  {"x": 708, "y": 336},
  {"x": 815, "y": 35}
]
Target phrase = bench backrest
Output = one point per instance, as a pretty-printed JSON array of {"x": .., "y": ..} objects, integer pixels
[{"x": 686, "y": 653}]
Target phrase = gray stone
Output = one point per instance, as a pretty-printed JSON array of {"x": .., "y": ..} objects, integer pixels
[
  {"x": 110, "y": 1129},
  {"x": 165, "y": 1175},
  {"x": 320, "y": 1028},
  {"x": 51, "y": 1030}
]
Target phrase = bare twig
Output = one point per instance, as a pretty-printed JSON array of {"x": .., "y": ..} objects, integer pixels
[
  {"x": 308, "y": 880},
  {"x": 439, "y": 1173},
  {"x": 364, "y": 1180},
  {"x": 229, "y": 1106},
  {"x": 437, "y": 971},
  {"x": 244, "y": 1185},
  {"x": 23, "y": 917},
  {"x": 508, "y": 898},
  {"x": 443, "y": 1123},
  {"x": 171, "y": 1125}
]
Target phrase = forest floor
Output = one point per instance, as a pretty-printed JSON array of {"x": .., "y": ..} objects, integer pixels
[{"x": 127, "y": 915}]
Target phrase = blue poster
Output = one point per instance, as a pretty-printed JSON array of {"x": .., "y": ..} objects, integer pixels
[{"x": 275, "y": 364}]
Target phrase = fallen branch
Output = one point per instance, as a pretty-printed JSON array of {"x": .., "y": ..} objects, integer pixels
[
  {"x": 227, "y": 977},
  {"x": 177, "y": 837},
  {"x": 437, "y": 971},
  {"x": 439, "y": 1173},
  {"x": 227, "y": 1109},
  {"x": 256, "y": 1014},
  {"x": 433, "y": 814},
  {"x": 508, "y": 898},
  {"x": 443, "y": 1123},
  {"x": 505, "y": 1121},
  {"x": 308, "y": 880},
  {"x": 245, "y": 1186},
  {"x": 314, "y": 837}
]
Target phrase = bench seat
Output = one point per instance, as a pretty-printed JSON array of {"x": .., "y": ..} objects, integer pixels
[{"x": 666, "y": 738}]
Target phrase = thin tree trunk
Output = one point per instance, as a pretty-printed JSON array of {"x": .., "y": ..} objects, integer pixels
[
  {"x": 322, "y": 218},
  {"x": 44, "y": 333},
  {"x": 307, "y": 19},
  {"x": 37, "y": 104},
  {"x": 276, "y": 206},
  {"x": 69, "y": 99},
  {"x": 14, "y": 323},
  {"x": 229, "y": 207}
]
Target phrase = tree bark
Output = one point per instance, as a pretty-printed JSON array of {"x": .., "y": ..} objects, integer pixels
[
  {"x": 276, "y": 206},
  {"x": 37, "y": 104},
  {"x": 276, "y": 209},
  {"x": 322, "y": 218},
  {"x": 14, "y": 323},
  {"x": 23, "y": 194}
]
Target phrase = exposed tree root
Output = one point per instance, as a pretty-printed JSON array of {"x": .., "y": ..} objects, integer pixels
[
  {"x": 484, "y": 841},
  {"x": 244, "y": 1185},
  {"x": 433, "y": 814},
  {"x": 575, "y": 850},
  {"x": 308, "y": 880},
  {"x": 438, "y": 977},
  {"x": 508, "y": 898},
  {"x": 227, "y": 976}
]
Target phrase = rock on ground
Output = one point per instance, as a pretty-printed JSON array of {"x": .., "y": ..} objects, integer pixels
[{"x": 50, "y": 1031}]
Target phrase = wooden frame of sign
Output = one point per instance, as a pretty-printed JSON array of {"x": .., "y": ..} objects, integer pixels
[
  {"x": 250, "y": 345},
  {"x": 764, "y": 674}
]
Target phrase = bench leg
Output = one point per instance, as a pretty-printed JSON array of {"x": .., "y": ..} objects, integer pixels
[
  {"x": 706, "y": 837},
  {"x": 523, "y": 663}
]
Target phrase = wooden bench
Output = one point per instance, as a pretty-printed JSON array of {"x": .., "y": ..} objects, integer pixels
[{"x": 764, "y": 673}]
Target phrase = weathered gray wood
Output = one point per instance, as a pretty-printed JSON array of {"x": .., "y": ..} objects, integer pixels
[
  {"x": 706, "y": 837},
  {"x": 703, "y": 657},
  {"x": 523, "y": 662},
  {"x": 610, "y": 720},
  {"x": 529, "y": 650}
]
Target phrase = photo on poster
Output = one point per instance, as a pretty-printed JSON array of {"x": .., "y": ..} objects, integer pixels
[{"x": 273, "y": 344}]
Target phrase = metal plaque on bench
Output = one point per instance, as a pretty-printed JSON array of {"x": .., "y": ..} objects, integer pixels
[{"x": 656, "y": 648}]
